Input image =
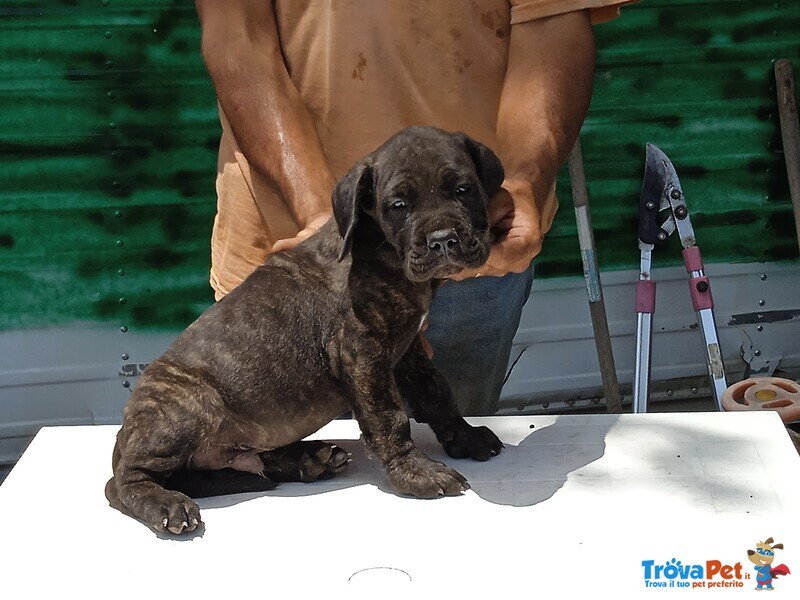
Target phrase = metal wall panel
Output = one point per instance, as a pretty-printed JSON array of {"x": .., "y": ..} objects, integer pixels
[
  {"x": 108, "y": 135},
  {"x": 695, "y": 78}
]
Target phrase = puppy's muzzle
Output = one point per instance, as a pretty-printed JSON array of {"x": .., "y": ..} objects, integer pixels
[
  {"x": 443, "y": 242},
  {"x": 444, "y": 252}
]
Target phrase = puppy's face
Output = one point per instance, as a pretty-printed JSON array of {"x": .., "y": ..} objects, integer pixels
[{"x": 427, "y": 190}]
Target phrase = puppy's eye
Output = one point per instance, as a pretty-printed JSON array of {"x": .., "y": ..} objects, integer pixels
[
  {"x": 463, "y": 189},
  {"x": 398, "y": 204}
]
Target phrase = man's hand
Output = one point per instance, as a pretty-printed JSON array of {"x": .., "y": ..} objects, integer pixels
[
  {"x": 515, "y": 221},
  {"x": 542, "y": 107},
  {"x": 310, "y": 229}
]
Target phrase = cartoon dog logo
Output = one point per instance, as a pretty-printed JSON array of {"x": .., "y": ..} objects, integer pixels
[{"x": 762, "y": 557}]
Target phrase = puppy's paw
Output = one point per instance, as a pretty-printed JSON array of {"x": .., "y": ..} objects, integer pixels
[
  {"x": 305, "y": 461},
  {"x": 417, "y": 475},
  {"x": 322, "y": 461},
  {"x": 167, "y": 510},
  {"x": 477, "y": 443}
]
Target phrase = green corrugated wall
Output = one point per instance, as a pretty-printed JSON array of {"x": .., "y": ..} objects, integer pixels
[{"x": 108, "y": 135}]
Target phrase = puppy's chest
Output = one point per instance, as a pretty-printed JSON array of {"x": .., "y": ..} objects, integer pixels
[
  {"x": 375, "y": 329},
  {"x": 405, "y": 318},
  {"x": 393, "y": 324},
  {"x": 406, "y": 336}
]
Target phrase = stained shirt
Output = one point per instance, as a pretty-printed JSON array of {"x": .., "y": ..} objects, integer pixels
[{"x": 366, "y": 70}]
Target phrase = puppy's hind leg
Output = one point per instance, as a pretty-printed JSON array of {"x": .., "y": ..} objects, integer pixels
[
  {"x": 427, "y": 393},
  {"x": 301, "y": 461},
  {"x": 160, "y": 431},
  {"x": 137, "y": 489}
]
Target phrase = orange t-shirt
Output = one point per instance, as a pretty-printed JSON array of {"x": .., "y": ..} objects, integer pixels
[{"x": 366, "y": 70}]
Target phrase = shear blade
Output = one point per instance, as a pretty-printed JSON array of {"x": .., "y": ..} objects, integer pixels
[
  {"x": 659, "y": 176},
  {"x": 659, "y": 168}
]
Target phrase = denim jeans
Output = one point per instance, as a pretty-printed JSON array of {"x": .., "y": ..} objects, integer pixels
[{"x": 472, "y": 327}]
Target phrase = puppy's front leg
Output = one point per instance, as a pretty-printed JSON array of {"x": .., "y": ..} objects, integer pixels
[
  {"x": 431, "y": 401},
  {"x": 387, "y": 433}
]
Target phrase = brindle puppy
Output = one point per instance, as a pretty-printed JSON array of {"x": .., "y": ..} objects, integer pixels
[{"x": 329, "y": 326}]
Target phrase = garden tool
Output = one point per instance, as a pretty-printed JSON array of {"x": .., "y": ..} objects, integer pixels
[{"x": 662, "y": 211}]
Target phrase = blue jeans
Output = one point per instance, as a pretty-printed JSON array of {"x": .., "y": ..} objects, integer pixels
[{"x": 472, "y": 327}]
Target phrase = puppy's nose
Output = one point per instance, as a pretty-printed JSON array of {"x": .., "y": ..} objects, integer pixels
[{"x": 442, "y": 241}]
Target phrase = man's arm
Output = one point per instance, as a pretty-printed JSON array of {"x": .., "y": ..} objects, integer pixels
[
  {"x": 544, "y": 101},
  {"x": 270, "y": 122}
]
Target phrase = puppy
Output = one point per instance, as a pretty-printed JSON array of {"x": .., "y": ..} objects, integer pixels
[{"x": 328, "y": 327}]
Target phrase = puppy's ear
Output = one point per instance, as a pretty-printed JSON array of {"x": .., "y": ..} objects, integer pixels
[
  {"x": 487, "y": 165},
  {"x": 352, "y": 193}
]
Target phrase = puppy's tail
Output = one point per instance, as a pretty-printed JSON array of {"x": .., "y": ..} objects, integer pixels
[{"x": 203, "y": 484}]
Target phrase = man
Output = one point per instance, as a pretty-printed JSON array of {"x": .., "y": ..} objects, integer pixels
[{"x": 308, "y": 87}]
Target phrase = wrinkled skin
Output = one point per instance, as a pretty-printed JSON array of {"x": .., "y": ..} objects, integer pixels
[{"x": 327, "y": 327}]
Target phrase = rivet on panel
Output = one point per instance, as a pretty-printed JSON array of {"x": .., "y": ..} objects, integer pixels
[
  {"x": 108, "y": 35},
  {"x": 123, "y": 300},
  {"x": 124, "y": 329},
  {"x": 126, "y": 384},
  {"x": 760, "y": 328},
  {"x": 120, "y": 243},
  {"x": 121, "y": 272},
  {"x": 763, "y": 277},
  {"x": 125, "y": 356},
  {"x": 762, "y": 302}
]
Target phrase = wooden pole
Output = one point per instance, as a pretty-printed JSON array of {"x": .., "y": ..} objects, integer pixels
[
  {"x": 790, "y": 132},
  {"x": 591, "y": 272}
]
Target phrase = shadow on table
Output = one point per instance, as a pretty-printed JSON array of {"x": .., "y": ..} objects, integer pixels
[{"x": 528, "y": 471}]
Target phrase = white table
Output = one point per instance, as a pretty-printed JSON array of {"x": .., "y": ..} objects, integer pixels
[{"x": 573, "y": 504}]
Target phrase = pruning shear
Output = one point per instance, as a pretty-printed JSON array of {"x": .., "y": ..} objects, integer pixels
[{"x": 663, "y": 198}]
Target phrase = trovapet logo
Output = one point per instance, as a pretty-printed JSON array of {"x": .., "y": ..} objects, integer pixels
[
  {"x": 763, "y": 557},
  {"x": 675, "y": 574},
  {"x": 715, "y": 573}
]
